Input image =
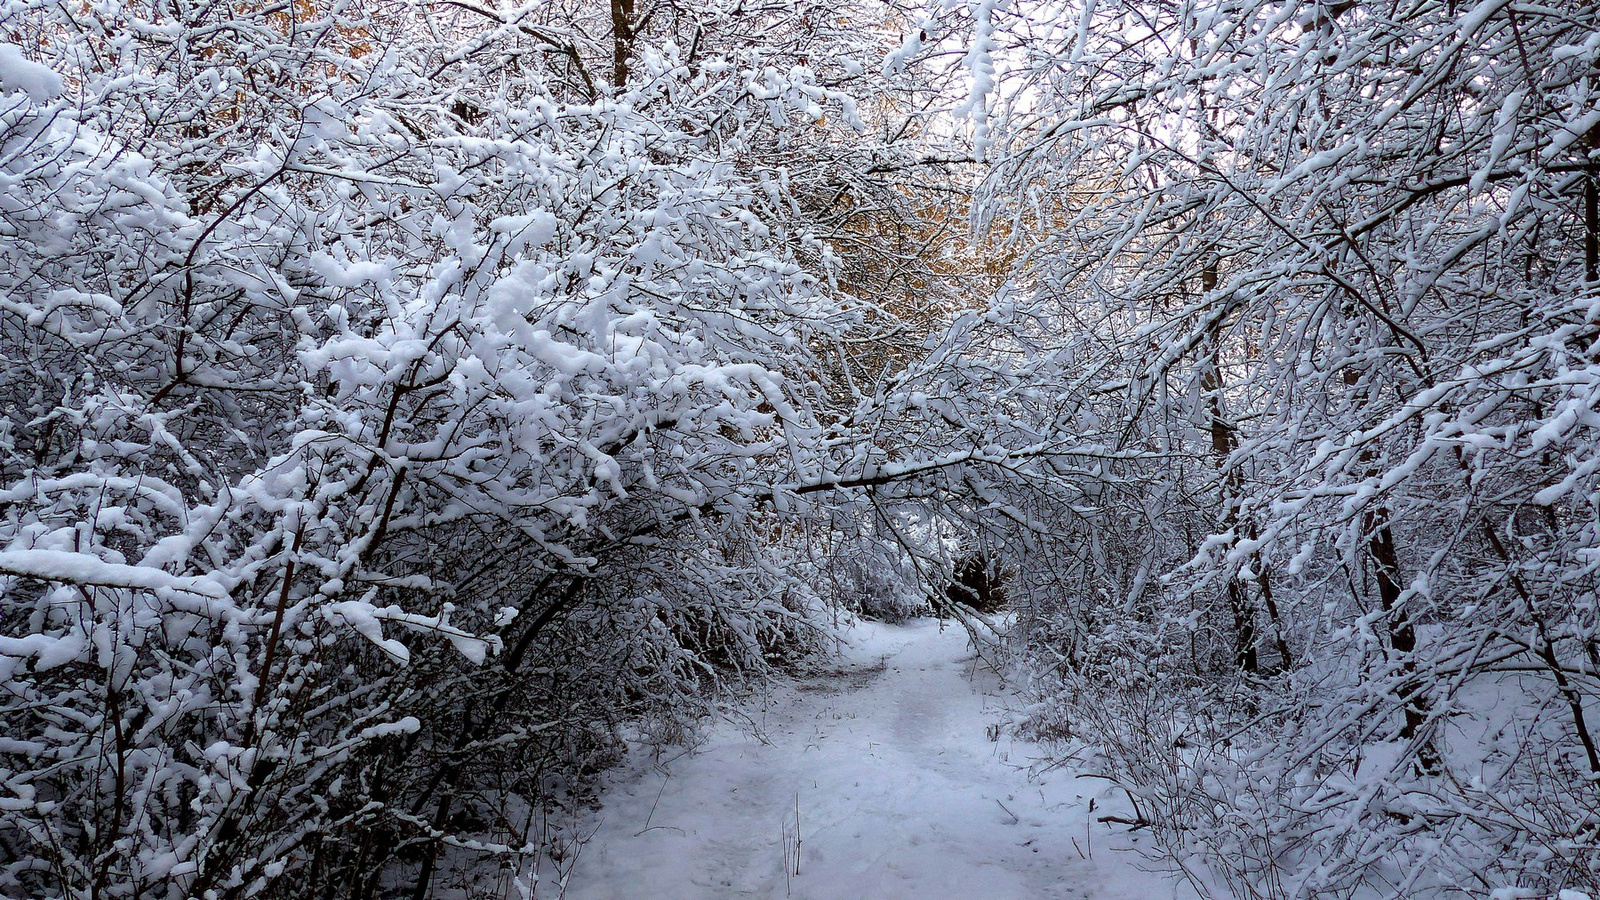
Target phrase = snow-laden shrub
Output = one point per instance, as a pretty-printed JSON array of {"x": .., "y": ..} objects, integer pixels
[
  {"x": 1334, "y": 269},
  {"x": 875, "y": 578},
  {"x": 387, "y": 421}
]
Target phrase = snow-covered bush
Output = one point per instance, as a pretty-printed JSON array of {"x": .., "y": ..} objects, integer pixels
[
  {"x": 390, "y": 408},
  {"x": 874, "y": 577},
  {"x": 1333, "y": 268}
]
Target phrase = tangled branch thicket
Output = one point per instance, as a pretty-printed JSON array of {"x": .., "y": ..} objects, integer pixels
[
  {"x": 393, "y": 411},
  {"x": 1337, "y": 264}
]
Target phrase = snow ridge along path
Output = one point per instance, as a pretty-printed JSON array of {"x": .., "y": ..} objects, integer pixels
[{"x": 899, "y": 791}]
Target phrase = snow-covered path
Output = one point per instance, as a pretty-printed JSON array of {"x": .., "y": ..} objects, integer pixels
[{"x": 899, "y": 789}]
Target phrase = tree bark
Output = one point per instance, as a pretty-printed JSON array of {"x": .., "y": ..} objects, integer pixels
[
  {"x": 621, "y": 41},
  {"x": 1223, "y": 442},
  {"x": 1402, "y": 633}
]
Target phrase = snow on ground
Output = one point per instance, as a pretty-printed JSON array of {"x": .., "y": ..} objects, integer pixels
[{"x": 899, "y": 791}]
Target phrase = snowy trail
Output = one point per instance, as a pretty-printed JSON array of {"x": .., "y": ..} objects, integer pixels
[{"x": 900, "y": 792}]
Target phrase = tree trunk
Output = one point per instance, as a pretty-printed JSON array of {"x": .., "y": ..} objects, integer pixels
[
  {"x": 621, "y": 41},
  {"x": 1223, "y": 443},
  {"x": 1402, "y": 633}
]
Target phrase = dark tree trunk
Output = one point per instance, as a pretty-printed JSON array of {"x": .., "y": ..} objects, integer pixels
[
  {"x": 621, "y": 41},
  {"x": 1223, "y": 443},
  {"x": 1402, "y": 633}
]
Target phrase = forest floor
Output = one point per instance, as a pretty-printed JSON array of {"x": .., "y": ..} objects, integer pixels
[{"x": 888, "y": 768}]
